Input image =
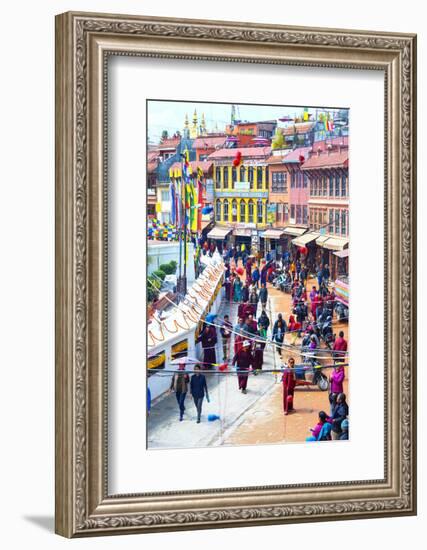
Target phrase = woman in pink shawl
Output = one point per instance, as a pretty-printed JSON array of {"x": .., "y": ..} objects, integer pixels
[{"x": 337, "y": 379}]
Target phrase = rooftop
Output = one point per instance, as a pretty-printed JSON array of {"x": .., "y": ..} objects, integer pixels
[
  {"x": 298, "y": 128},
  {"x": 205, "y": 165},
  {"x": 327, "y": 159},
  {"x": 169, "y": 143},
  {"x": 205, "y": 142},
  {"x": 295, "y": 154},
  {"x": 247, "y": 152}
]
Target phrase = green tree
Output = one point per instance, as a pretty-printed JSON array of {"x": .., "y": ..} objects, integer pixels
[{"x": 278, "y": 139}]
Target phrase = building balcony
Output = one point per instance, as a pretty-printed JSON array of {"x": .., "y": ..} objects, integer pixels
[
  {"x": 247, "y": 194},
  {"x": 151, "y": 196}
]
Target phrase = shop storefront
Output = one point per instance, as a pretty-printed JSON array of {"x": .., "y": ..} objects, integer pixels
[
  {"x": 308, "y": 241},
  {"x": 328, "y": 247},
  {"x": 273, "y": 241}
]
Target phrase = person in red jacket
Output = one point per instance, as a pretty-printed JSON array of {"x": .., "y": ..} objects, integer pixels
[{"x": 340, "y": 346}]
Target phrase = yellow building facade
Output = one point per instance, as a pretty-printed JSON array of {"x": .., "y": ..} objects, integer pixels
[{"x": 241, "y": 194}]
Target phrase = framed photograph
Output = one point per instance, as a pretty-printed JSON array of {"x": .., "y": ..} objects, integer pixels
[{"x": 222, "y": 359}]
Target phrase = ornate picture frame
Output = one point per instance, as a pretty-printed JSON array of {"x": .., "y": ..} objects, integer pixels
[{"x": 83, "y": 44}]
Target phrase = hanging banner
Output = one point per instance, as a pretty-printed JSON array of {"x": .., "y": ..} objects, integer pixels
[{"x": 271, "y": 212}]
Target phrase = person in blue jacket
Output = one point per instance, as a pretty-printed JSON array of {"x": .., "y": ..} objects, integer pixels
[{"x": 198, "y": 390}]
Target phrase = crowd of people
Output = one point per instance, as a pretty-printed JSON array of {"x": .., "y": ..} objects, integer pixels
[{"x": 243, "y": 345}]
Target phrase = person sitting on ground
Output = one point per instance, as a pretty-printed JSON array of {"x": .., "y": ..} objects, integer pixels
[
  {"x": 344, "y": 430},
  {"x": 339, "y": 413},
  {"x": 318, "y": 433}
]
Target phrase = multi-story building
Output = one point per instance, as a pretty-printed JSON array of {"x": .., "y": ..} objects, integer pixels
[
  {"x": 327, "y": 171},
  {"x": 152, "y": 164},
  {"x": 205, "y": 145},
  {"x": 288, "y": 197},
  {"x": 241, "y": 193},
  {"x": 247, "y": 132},
  {"x": 278, "y": 187}
]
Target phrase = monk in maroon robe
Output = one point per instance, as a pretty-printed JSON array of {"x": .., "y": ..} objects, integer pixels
[
  {"x": 208, "y": 338},
  {"x": 243, "y": 359},
  {"x": 288, "y": 381}
]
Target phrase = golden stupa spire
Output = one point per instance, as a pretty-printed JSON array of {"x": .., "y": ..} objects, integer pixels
[
  {"x": 203, "y": 124},
  {"x": 194, "y": 130}
]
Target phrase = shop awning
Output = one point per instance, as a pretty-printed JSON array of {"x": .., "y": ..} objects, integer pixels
[
  {"x": 295, "y": 231},
  {"x": 218, "y": 232},
  {"x": 241, "y": 232},
  {"x": 321, "y": 240},
  {"x": 273, "y": 234},
  {"x": 305, "y": 239},
  {"x": 342, "y": 253},
  {"x": 335, "y": 243}
]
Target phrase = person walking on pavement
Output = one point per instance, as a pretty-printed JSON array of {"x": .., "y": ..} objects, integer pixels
[
  {"x": 279, "y": 329},
  {"x": 263, "y": 296},
  {"x": 243, "y": 361},
  {"x": 179, "y": 385},
  {"x": 199, "y": 390},
  {"x": 245, "y": 293},
  {"x": 208, "y": 338},
  {"x": 288, "y": 381},
  {"x": 253, "y": 300},
  {"x": 225, "y": 330},
  {"x": 263, "y": 324},
  {"x": 326, "y": 274},
  {"x": 237, "y": 289},
  {"x": 255, "y": 276}
]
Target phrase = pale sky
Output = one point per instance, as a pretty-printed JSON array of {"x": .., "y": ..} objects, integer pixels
[{"x": 170, "y": 115}]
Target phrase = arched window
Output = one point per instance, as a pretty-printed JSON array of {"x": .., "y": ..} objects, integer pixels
[
  {"x": 344, "y": 190},
  {"x": 233, "y": 176},
  {"x": 337, "y": 185},
  {"x": 234, "y": 210},
  {"x": 225, "y": 207},
  {"x": 259, "y": 176},
  {"x": 242, "y": 173},
  {"x": 260, "y": 211},
  {"x": 242, "y": 211},
  {"x": 225, "y": 176},
  {"x": 251, "y": 177},
  {"x": 218, "y": 210},
  {"x": 218, "y": 177},
  {"x": 251, "y": 211},
  {"x": 343, "y": 222}
]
